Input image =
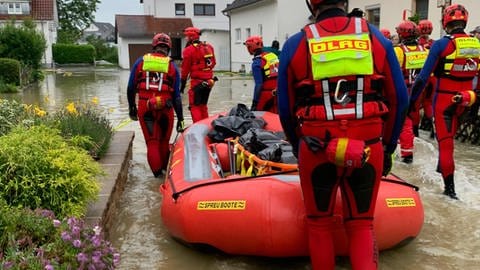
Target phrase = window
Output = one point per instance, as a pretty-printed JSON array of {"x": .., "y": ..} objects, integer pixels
[
  {"x": 238, "y": 35},
  {"x": 373, "y": 15},
  {"x": 180, "y": 9},
  {"x": 248, "y": 32},
  {"x": 421, "y": 9},
  {"x": 15, "y": 8},
  {"x": 204, "y": 9}
]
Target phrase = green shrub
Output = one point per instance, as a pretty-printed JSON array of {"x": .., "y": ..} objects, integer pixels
[
  {"x": 23, "y": 43},
  {"x": 103, "y": 50},
  {"x": 10, "y": 71},
  {"x": 36, "y": 240},
  {"x": 73, "y": 54},
  {"x": 88, "y": 121},
  {"x": 39, "y": 169},
  {"x": 13, "y": 113},
  {"x": 7, "y": 87},
  {"x": 85, "y": 126}
]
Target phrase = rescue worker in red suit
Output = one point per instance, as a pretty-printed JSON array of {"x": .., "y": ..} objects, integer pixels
[
  {"x": 424, "y": 29},
  {"x": 342, "y": 109},
  {"x": 453, "y": 59},
  {"x": 386, "y": 33},
  {"x": 156, "y": 80},
  {"x": 265, "y": 72},
  {"x": 198, "y": 63},
  {"x": 411, "y": 57}
]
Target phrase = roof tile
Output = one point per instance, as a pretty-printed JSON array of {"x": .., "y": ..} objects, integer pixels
[{"x": 139, "y": 26}]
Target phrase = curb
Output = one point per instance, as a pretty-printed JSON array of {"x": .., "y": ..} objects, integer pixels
[{"x": 115, "y": 163}]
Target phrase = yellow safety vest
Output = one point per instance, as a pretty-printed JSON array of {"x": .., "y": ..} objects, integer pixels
[
  {"x": 156, "y": 63},
  {"x": 270, "y": 69}
]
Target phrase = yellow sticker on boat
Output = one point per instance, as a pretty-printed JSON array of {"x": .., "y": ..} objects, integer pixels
[
  {"x": 400, "y": 202},
  {"x": 222, "y": 205}
]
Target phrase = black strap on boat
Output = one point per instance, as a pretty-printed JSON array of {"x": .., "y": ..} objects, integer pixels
[
  {"x": 400, "y": 182},
  {"x": 177, "y": 194}
]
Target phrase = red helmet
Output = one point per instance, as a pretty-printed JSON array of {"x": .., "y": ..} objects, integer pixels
[
  {"x": 162, "y": 38},
  {"x": 455, "y": 12},
  {"x": 425, "y": 27},
  {"x": 406, "y": 29},
  {"x": 253, "y": 43},
  {"x": 191, "y": 33},
  {"x": 314, "y": 3},
  {"x": 386, "y": 33}
]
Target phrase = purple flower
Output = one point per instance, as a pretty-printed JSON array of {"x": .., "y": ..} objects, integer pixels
[
  {"x": 81, "y": 257},
  {"x": 56, "y": 223},
  {"x": 77, "y": 243},
  {"x": 116, "y": 258},
  {"x": 76, "y": 230},
  {"x": 7, "y": 265},
  {"x": 71, "y": 221},
  {"x": 96, "y": 241},
  {"x": 66, "y": 236},
  {"x": 97, "y": 230},
  {"x": 48, "y": 267}
]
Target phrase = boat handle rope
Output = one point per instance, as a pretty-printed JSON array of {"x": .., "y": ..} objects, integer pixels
[
  {"x": 177, "y": 194},
  {"x": 416, "y": 188}
]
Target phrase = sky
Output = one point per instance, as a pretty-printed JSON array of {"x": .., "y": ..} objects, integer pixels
[{"x": 107, "y": 9}]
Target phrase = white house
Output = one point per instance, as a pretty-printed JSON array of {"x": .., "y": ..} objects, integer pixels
[
  {"x": 206, "y": 15},
  {"x": 271, "y": 19},
  {"x": 43, "y": 13},
  {"x": 278, "y": 19},
  {"x": 384, "y": 14}
]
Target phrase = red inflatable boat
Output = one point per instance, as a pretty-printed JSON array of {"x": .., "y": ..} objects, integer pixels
[{"x": 262, "y": 215}]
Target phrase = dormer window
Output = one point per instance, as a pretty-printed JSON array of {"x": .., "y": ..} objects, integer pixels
[{"x": 15, "y": 8}]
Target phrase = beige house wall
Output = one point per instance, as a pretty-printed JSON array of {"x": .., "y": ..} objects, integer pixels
[{"x": 391, "y": 12}]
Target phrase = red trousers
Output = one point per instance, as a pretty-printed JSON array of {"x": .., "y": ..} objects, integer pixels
[
  {"x": 320, "y": 181},
  {"x": 267, "y": 101},
  {"x": 445, "y": 120},
  {"x": 406, "y": 138},
  {"x": 198, "y": 111},
  {"x": 157, "y": 127}
]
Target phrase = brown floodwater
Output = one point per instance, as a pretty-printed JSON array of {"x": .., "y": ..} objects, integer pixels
[{"x": 450, "y": 237}]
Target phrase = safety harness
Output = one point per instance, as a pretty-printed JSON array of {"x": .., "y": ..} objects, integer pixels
[{"x": 342, "y": 70}]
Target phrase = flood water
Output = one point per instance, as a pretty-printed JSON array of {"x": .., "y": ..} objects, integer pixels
[{"x": 450, "y": 238}]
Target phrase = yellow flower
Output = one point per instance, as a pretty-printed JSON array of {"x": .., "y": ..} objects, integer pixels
[
  {"x": 71, "y": 108},
  {"x": 39, "y": 111},
  {"x": 95, "y": 100}
]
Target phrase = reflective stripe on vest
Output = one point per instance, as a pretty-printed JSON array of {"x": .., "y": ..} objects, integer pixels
[
  {"x": 270, "y": 69},
  {"x": 464, "y": 60},
  {"x": 340, "y": 55},
  {"x": 331, "y": 112}
]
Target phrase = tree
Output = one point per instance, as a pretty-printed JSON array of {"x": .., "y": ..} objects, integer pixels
[
  {"x": 23, "y": 43},
  {"x": 74, "y": 16}
]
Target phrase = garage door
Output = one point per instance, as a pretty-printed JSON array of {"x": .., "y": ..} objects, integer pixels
[{"x": 137, "y": 50}]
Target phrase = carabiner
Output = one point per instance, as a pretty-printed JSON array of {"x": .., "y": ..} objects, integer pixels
[{"x": 337, "y": 90}]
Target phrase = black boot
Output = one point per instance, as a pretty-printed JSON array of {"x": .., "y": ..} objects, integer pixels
[
  {"x": 450, "y": 187},
  {"x": 415, "y": 131},
  {"x": 407, "y": 159}
]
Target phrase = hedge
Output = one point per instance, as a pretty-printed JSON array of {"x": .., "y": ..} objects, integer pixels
[
  {"x": 10, "y": 71},
  {"x": 73, "y": 54}
]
